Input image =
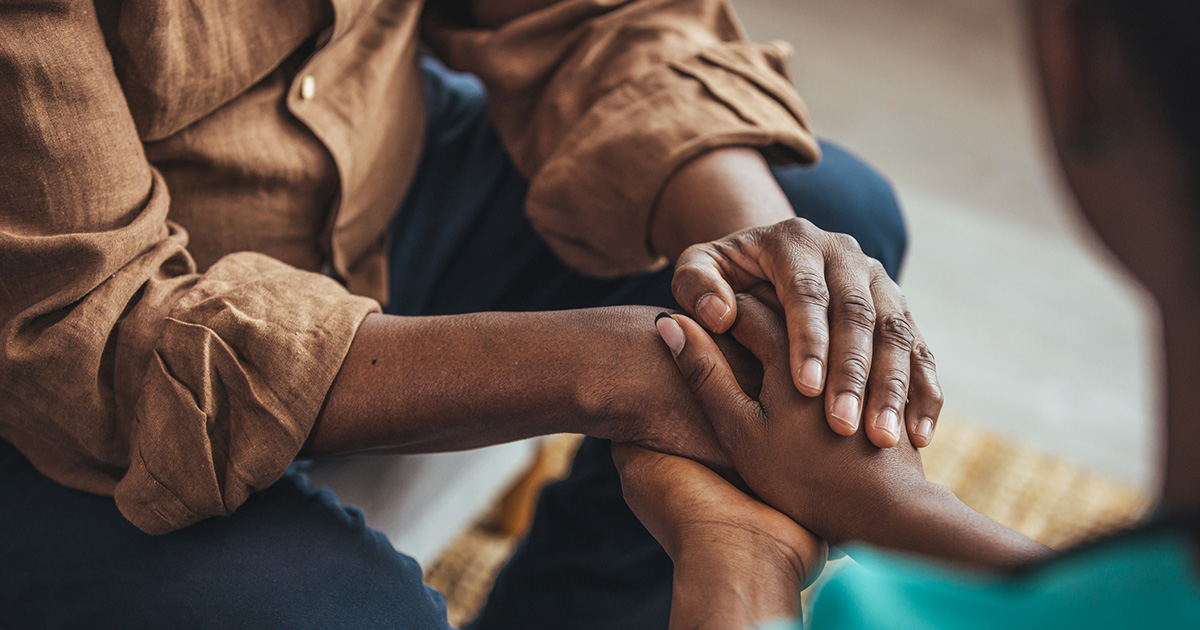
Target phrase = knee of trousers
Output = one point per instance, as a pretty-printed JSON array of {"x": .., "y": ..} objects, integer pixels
[
  {"x": 845, "y": 194},
  {"x": 885, "y": 233}
]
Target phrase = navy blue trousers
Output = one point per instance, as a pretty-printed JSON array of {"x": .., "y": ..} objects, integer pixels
[{"x": 292, "y": 556}]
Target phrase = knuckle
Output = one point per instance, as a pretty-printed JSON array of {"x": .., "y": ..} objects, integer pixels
[
  {"x": 798, "y": 225},
  {"x": 752, "y": 298},
  {"x": 687, "y": 277},
  {"x": 856, "y": 309},
  {"x": 730, "y": 247},
  {"x": 854, "y": 366},
  {"x": 811, "y": 337},
  {"x": 894, "y": 386},
  {"x": 923, "y": 357},
  {"x": 796, "y": 234},
  {"x": 809, "y": 288},
  {"x": 894, "y": 329},
  {"x": 847, "y": 243},
  {"x": 693, "y": 257},
  {"x": 881, "y": 282}
]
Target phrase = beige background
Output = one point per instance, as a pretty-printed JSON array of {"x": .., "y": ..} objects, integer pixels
[{"x": 1039, "y": 336}]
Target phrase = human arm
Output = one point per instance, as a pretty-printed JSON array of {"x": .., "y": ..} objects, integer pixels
[
  {"x": 420, "y": 384},
  {"x": 600, "y": 103},
  {"x": 645, "y": 128},
  {"x": 850, "y": 333},
  {"x": 844, "y": 490},
  {"x": 123, "y": 369},
  {"x": 738, "y": 562}
]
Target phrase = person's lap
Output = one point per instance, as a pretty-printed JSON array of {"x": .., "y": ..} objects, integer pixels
[{"x": 291, "y": 556}]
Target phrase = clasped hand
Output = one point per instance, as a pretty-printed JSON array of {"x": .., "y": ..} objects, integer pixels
[
  {"x": 849, "y": 332},
  {"x": 740, "y": 560}
]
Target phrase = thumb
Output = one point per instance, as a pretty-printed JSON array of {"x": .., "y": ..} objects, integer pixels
[
  {"x": 701, "y": 288},
  {"x": 706, "y": 372}
]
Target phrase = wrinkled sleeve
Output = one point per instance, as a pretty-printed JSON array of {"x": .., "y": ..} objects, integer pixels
[
  {"x": 122, "y": 370},
  {"x": 600, "y": 101}
]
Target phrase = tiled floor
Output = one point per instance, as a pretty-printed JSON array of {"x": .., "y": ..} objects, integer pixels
[{"x": 1038, "y": 335}]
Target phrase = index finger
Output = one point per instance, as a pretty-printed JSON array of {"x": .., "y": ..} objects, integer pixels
[{"x": 703, "y": 285}]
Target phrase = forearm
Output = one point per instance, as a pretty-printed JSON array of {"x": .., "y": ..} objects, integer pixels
[
  {"x": 418, "y": 384},
  {"x": 714, "y": 195},
  {"x": 927, "y": 519}
]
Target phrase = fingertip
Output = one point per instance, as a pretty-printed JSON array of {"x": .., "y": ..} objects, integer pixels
[
  {"x": 881, "y": 438},
  {"x": 910, "y": 429},
  {"x": 715, "y": 312},
  {"x": 810, "y": 378},
  {"x": 843, "y": 415},
  {"x": 886, "y": 429},
  {"x": 923, "y": 432},
  {"x": 842, "y": 427},
  {"x": 670, "y": 332}
]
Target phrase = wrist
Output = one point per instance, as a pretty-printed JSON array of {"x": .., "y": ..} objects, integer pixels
[
  {"x": 892, "y": 509},
  {"x": 911, "y": 504},
  {"x": 626, "y": 370},
  {"x": 742, "y": 590},
  {"x": 629, "y": 390},
  {"x": 740, "y": 554}
]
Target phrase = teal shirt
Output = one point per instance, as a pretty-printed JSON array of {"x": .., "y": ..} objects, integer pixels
[{"x": 1143, "y": 580}]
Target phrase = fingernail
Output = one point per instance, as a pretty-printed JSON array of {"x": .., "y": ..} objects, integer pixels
[
  {"x": 845, "y": 410},
  {"x": 810, "y": 375},
  {"x": 925, "y": 429},
  {"x": 712, "y": 310},
  {"x": 670, "y": 332},
  {"x": 888, "y": 421}
]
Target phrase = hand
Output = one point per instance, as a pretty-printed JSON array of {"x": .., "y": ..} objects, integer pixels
[
  {"x": 426, "y": 384},
  {"x": 738, "y": 562},
  {"x": 633, "y": 393},
  {"x": 841, "y": 489},
  {"x": 850, "y": 331}
]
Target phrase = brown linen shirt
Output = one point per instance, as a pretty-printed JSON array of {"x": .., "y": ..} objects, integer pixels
[{"x": 173, "y": 174}]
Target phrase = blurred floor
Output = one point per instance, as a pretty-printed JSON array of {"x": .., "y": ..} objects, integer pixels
[{"x": 1038, "y": 335}]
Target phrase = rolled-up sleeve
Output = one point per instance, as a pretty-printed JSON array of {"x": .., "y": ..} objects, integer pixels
[
  {"x": 600, "y": 102},
  {"x": 123, "y": 371}
]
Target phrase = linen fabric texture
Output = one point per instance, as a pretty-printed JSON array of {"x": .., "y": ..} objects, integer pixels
[{"x": 176, "y": 176}]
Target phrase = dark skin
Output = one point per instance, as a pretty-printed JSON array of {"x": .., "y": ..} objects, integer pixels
[
  {"x": 723, "y": 520},
  {"x": 842, "y": 490},
  {"x": 424, "y": 384},
  {"x": 726, "y": 224},
  {"x": 421, "y": 384},
  {"x": 1135, "y": 186},
  {"x": 850, "y": 331}
]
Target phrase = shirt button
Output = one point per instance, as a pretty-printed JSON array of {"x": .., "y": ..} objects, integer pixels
[{"x": 308, "y": 87}]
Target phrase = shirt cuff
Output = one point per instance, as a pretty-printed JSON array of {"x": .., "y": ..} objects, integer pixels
[
  {"x": 593, "y": 198},
  {"x": 234, "y": 377}
]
